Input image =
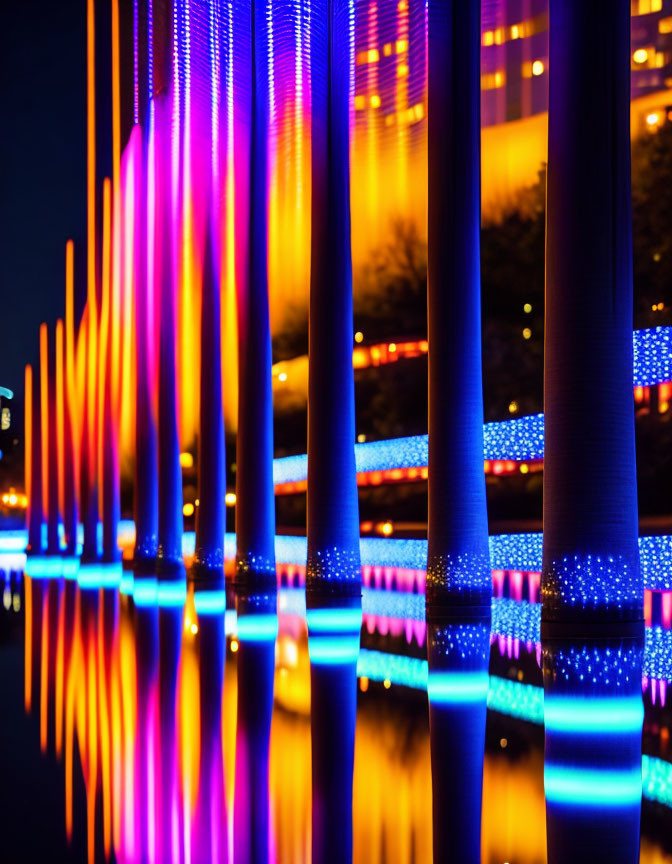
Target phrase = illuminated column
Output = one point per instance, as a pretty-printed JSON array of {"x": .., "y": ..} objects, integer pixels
[
  {"x": 49, "y": 433},
  {"x": 459, "y": 580},
  {"x": 256, "y": 581},
  {"x": 108, "y": 449},
  {"x": 333, "y": 572},
  {"x": 146, "y": 500},
  {"x": 592, "y": 613},
  {"x": 70, "y": 515},
  {"x": 33, "y": 468},
  {"x": 170, "y": 563}
]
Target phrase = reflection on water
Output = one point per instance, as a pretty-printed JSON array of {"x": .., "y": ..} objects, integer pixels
[{"x": 128, "y": 699}]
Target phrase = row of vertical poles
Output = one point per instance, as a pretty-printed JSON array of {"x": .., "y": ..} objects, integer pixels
[
  {"x": 591, "y": 583},
  {"x": 592, "y": 610}
]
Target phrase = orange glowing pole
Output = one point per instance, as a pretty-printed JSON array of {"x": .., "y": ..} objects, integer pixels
[
  {"x": 91, "y": 734},
  {"x": 28, "y": 643},
  {"x": 103, "y": 706},
  {"x": 89, "y": 440},
  {"x": 60, "y": 675},
  {"x": 73, "y": 690},
  {"x": 103, "y": 337},
  {"x": 44, "y": 671},
  {"x": 115, "y": 303}
]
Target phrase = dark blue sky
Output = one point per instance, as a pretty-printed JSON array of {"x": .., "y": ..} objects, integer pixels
[{"x": 43, "y": 169}]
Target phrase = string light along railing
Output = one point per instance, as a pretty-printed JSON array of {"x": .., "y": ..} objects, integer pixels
[{"x": 510, "y": 446}]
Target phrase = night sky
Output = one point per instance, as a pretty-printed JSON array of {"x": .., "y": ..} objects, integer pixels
[{"x": 43, "y": 175}]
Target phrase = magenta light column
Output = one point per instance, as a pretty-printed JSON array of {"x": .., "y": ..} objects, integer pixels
[
  {"x": 591, "y": 584},
  {"x": 459, "y": 581},
  {"x": 256, "y": 581},
  {"x": 333, "y": 572},
  {"x": 170, "y": 569},
  {"x": 53, "y": 514},
  {"x": 146, "y": 446}
]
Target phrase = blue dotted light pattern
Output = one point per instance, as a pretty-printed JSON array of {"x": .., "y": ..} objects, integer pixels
[
  {"x": 507, "y": 552},
  {"x": 652, "y": 350},
  {"x": 520, "y": 440}
]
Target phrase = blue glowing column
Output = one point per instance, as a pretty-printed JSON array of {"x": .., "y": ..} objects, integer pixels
[
  {"x": 256, "y": 581},
  {"x": 459, "y": 581},
  {"x": 146, "y": 489},
  {"x": 591, "y": 582},
  {"x": 333, "y": 572}
]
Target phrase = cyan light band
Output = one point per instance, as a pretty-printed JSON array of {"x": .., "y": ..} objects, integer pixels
[
  {"x": 99, "y": 575},
  {"x": 599, "y": 716},
  {"x": 257, "y": 628},
  {"x": 230, "y": 622},
  {"x": 44, "y": 566},
  {"x": 70, "y": 567},
  {"x": 453, "y": 688},
  {"x": 210, "y": 602},
  {"x": 126, "y": 583},
  {"x": 171, "y": 594},
  {"x": 333, "y": 650},
  {"x": 145, "y": 593},
  {"x": 334, "y": 620},
  {"x": 13, "y": 541},
  {"x": 592, "y": 787}
]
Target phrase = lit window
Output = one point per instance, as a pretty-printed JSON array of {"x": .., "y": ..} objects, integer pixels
[
  {"x": 513, "y": 407},
  {"x": 527, "y": 333},
  {"x": 230, "y": 499},
  {"x": 537, "y": 68},
  {"x": 186, "y": 460},
  {"x": 665, "y": 25},
  {"x": 527, "y": 308},
  {"x": 360, "y": 103},
  {"x": 652, "y": 119},
  {"x": 282, "y": 376},
  {"x": 640, "y": 55},
  {"x": 515, "y": 31},
  {"x": 361, "y": 438},
  {"x": 188, "y": 509},
  {"x": 488, "y": 38},
  {"x": 359, "y": 336},
  {"x": 375, "y": 101},
  {"x": 402, "y": 70}
]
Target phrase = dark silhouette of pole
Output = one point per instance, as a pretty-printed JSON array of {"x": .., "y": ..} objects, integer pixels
[
  {"x": 592, "y": 592},
  {"x": 459, "y": 579},
  {"x": 333, "y": 571},
  {"x": 256, "y": 580}
]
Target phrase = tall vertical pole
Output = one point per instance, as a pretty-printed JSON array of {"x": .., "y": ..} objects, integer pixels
[
  {"x": 459, "y": 579},
  {"x": 592, "y": 595},
  {"x": 333, "y": 571},
  {"x": 146, "y": 500},
  {"x": 256, "y": 581},
  {"x": 70, "y": 516},
  {"x": 33, "y": 461}
]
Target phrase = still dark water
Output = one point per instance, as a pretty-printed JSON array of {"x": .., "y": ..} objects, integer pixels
[{"x": 82, "y": 774}]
